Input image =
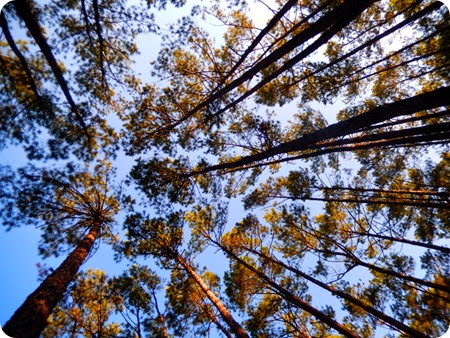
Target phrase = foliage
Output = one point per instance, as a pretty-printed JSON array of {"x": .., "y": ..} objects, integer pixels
[
  {"x": 86, "y": 310},
  {"x": 288, "y": 179}
]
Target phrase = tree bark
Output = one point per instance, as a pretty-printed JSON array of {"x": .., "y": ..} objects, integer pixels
[
  {"x": 337, "y": 18},
  {"x": 15, "y": 49},
  {"x": 385, "y": 271},
  {"x": 291, "y": 298},
  {"x": 374, "y": 200},
  {"x": 392, "y": 321},
  {"x": 404, "y": 240},
  {"x": 235, "y": 327},
  {"x": 436, "y": 98},
  {"x": 30, "y": 319},
  {"x": 26, "y": 11}
]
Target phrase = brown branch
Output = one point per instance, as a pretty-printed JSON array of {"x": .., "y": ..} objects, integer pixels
[
  {"x": 338, "y": 18},
  {"x": 370, "y": 309},
  {"x": 17, "y": 52},
  {"x": 28, "y": 13},
  {"x": 434, "y": 6},
  {"x": 324, "y": 38},
  {"x": 404, "y": 240},
  {"x": 436, "y": 98},
  {"x": 98, "y": 29}
]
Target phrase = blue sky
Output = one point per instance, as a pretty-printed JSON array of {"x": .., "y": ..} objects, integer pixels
[{"x": 18, "y": 247}]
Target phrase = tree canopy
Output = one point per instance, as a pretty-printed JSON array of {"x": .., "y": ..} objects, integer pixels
[{"x": 272, "y": 169}]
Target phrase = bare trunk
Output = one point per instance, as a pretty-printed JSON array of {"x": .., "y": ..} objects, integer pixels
[
  {"x": 30, "y": 319},
  {"x": 15, "y": 49},
  {"x": 404, "y": 240},
  {"x": 395, "y": 323},
  {"x": 26, "y": 11},
  {"x": 444, "y": 288},
  {"x": 291, "y": 298},
  {"x": 330, "y": 23},
  {"x": 436, "y": 98},
  {"x": 402, "y": 202},
  {"x": 386, "y": 271},
  {"x": 226, "y": 315}
]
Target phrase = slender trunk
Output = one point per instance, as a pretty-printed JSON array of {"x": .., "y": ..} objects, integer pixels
[
  {"x": 402, "y": 202},
  {"x": 291, "y": 298},
  {"x": 226, "y": 315},
  {"x": 86, "y": 22},
  {"x": 411, "y": 119},
  {"x": 138, "y": 324},
  {"x": 272, "y": 23},
  {"x": 399, "y": 51},
  {"x": 387, "y": 135},
  {"x": 160, "y": 316},
  {"x": 404, "y": 240},
  {"x": 385, "y": 271},
  {"x": 98, "y": 28},
  {"x": 16, "y": 51},
  {"x": 352, "y": 11},
  {"x": 423, "y": 56},
  {"x": 336, "y": 19},
  {"x": 423, "y": 12},
  {"x": 395, "y": 323},
  {"x": 26, "y": 11},
  {"x": 412, "y": 141},
  {"x": 212, "y": 317},
  {"x": 384, "y": 191},
  {"x": 436, "y": 98},
  {"x": 444, "y": 288},
  {"x": 30, "y": 319}
]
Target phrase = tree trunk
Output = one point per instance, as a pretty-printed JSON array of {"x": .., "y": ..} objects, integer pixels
[
  {"x": 440, "y": 287},
  {"x": 161, "y": 318},
  {"x": 30, "y": 319},
  {"x": 404, "y": 240},
  {"x": 16, "y": 51},
  {"x": 436, "y": 98},
  {"x": 26, "y": 11},
  {"x": 403, "y": 202},
  {"x": 390, "y": 191},
  {"x": 330, "y": 23},
  {"x": 290, "y": 297},
  {"x": 226, "y": 315},
  {"x": 386, "y": 271},
  {"x": 395, "y": 323},
  {"x": 212, "y": 317}
]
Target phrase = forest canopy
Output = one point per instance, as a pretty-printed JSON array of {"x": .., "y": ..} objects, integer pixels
[{"x": 259, "y": 168}]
